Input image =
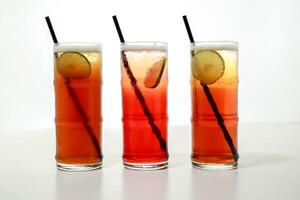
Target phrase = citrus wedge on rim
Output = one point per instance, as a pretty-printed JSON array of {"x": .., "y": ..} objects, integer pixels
[
  {"x": 207, "y": 66},
  {"x": 154, "y": 73},
  {"x": 73, "y": 65}
]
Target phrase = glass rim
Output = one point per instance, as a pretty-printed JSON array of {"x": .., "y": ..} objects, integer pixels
[
  {"x": 77, "y": 46},
  {"x": 215, "y": 45},
  {"x": 144, "y": 45}
]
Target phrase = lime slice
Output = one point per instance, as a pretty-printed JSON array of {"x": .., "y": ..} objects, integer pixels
[
  {"x": 154, "y": 73},
  {"x": 73, "y": 65},
  {"x": 207, "y": 66}
]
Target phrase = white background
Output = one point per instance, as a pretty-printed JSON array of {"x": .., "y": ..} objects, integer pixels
[{"x": 267, "y": 31}]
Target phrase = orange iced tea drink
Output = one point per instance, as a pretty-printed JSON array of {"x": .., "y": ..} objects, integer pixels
[
  {"x": 144, "y": 98},
  {"x": 214, "y": 64},
  {"x": 77, "y": 83}
]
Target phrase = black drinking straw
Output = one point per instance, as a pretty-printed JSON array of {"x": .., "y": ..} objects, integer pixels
[
  {"x": 212, "y": 101},
  {"x": 76, "y": 101},
  {"x": 155, "y": 129}
]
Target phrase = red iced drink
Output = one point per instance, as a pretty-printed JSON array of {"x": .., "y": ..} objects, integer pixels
[
  {"x": 214, "y": 64},
  {"x": 77, "y": 83},
  {"x": 144, "y": 98}
]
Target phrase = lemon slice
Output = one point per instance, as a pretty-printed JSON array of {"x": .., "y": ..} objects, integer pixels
[
  {"x": 207, "y": 66},
  {"x": 73, "y": 65},
  {"x": 154, "y": 73}
]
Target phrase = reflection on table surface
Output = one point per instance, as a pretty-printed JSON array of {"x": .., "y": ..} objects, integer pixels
[
  {"x": 145, "y": 184},
  {"x": 214, "y": 184},
  {"x": 78, "y": 185},
  {"x": 189, "y": 183}
]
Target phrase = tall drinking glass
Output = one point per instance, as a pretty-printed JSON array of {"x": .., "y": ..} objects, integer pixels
[
  {"x": 214, "y": 68},
  {"x": 144, "y": 97},
  {"x": 77, "y": 83}
]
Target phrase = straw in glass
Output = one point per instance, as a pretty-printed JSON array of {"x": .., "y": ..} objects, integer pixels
[
  {"x": 76, "y": 101},
  {"x": 212, "y": 102},
  {"x": 156, "y": 131}
]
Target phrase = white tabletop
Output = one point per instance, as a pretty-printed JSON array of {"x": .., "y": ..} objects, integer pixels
[{"x": 268, "y": 169}]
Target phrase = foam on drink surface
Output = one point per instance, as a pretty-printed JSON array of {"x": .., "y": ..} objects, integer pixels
[
  {"x": 214, "y": 46},
  {"x": 78, "y": 47},
  {"x": 144, "y": 46}
]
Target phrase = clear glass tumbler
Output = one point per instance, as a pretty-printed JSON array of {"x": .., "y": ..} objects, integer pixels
[
  {"x": 77, "y": 83},
  {"x": 144, "y": 97}
]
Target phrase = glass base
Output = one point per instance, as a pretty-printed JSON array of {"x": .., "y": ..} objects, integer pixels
[
  {"x": 79, "y": 167},
  {"x": 214, "y": 166},
  {"x": 146, "y": 166}
]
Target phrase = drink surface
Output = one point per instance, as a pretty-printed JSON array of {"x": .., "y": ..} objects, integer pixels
[
  {"x": 140, "y": 143},
  {"x": 208, "y": 142},
  {"x": 73, "y": 142}
]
